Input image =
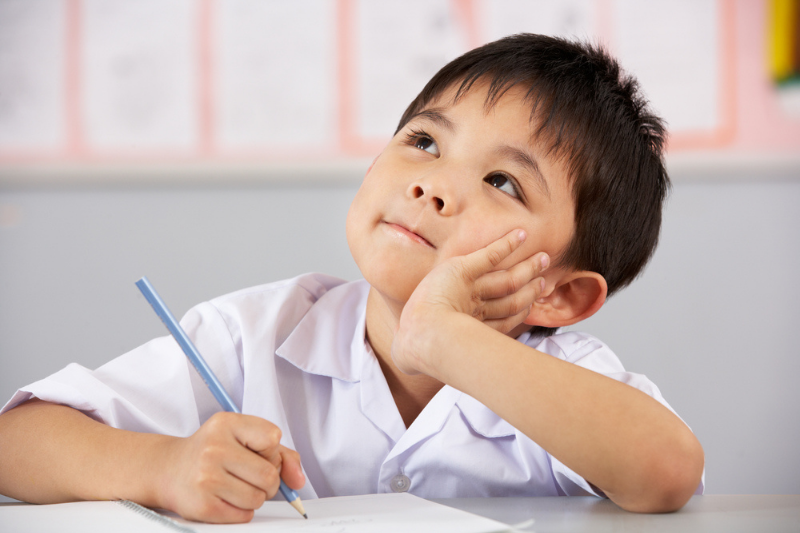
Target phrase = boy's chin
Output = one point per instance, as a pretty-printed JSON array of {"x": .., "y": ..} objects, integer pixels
[{"x": 394, "y": 290}]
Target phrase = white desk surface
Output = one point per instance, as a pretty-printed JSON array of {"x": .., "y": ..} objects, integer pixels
[{"x": 707, "y": 514}]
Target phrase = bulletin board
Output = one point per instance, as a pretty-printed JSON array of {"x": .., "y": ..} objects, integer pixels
[{"x": 293, "y": 82}]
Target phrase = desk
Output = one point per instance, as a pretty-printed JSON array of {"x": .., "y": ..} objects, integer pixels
[{"x": 706, "y": 514}]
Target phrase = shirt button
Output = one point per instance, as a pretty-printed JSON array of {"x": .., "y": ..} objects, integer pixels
[{"x": 400, "y": 483}]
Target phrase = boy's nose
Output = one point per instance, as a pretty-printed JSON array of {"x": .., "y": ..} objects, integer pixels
[{"x": 441, "y": 198}]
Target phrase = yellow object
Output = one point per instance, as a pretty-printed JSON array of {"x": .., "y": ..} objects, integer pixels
[{"x": 782, "y": 34}]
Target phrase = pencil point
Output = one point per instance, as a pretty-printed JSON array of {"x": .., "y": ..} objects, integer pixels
[{"x": 298, "y": 505}]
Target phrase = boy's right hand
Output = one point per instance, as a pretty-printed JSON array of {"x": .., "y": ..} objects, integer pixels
[
  {"x": 472, "y": 285},
  {"x": 227, "y": 469}
]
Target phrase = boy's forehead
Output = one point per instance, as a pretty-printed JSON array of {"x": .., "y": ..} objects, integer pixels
[
  {"x": 521, "y": 109},
  {"x": 457, "y": 91},
  {"x": 515, "y": 97}
]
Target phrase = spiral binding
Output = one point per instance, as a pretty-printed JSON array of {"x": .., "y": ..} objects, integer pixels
[{"x": 152, "y": 515}]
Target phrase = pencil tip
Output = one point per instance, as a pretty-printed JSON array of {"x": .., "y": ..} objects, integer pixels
[{"x": 305, "y": 516}]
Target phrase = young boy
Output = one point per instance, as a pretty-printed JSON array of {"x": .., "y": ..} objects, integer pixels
[{"x": 523, "y": 185}]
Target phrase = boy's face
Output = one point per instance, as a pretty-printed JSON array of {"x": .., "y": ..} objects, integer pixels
[{"x": 454, "y": 179}]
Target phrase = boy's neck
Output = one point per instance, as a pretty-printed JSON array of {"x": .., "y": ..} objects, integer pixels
[{"x": 411, "y": 393}]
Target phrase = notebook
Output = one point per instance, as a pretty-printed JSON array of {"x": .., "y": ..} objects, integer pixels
[{"x": 384, "y": 513}]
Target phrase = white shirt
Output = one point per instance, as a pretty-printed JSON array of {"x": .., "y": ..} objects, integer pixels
[{"x": 294, "y": 352}]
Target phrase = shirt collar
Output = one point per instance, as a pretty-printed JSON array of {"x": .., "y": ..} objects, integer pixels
[
  {"x": 482, "y": 419},
  {"x": 334, "y": 348},
  {"x": 338, "y": 348}
]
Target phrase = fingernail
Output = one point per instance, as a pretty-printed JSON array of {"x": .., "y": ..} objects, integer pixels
[
  {"x": 545, "y": 261},
  {"x": 542, "y": 284},
  {"x": 522, "y": 235}
]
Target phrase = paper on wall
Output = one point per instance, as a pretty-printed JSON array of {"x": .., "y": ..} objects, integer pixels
[
  {"x": 32, "y": 74},
  {"x": 275, "y": 76},
  {"x": 139, "y": 74}
]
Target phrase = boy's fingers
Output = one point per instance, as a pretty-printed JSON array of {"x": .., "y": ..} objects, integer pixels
[
  {"x": 241, "y": 494},
  {"x": 254, "y": 470},
  {"x": 515, "y": 304},
  {"x": 259, "y": 435},
  {"x": 256, "y": 457},
  {"x": 292, "y": 471},
  {"x": 214, "y": 509},
  {"x": 486, "y": 259},
  {"x": 507, "y": 282},
  {"x": 270, "y": 460},
  {"x": 505, "y": 325},
  {"x": 257, "y": 477}
]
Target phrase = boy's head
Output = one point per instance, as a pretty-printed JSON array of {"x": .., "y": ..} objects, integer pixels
[
  {"x": 593, "y": 149},
  {"x": 592, "y": 117}
]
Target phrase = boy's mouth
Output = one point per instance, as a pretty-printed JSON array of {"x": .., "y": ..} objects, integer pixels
[{"x": 409, "y": 233}]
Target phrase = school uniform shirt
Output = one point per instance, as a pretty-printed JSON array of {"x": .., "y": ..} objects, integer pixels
[{"x": 294, "y": 352}]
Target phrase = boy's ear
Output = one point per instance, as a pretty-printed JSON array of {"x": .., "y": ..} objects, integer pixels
[{"x": 575, "y": 297}]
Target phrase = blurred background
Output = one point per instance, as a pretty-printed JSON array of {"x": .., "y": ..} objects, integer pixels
[{"x": 216, "y": 144}]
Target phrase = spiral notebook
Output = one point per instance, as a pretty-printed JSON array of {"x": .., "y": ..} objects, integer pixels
[{"x": 385, "y": 513}]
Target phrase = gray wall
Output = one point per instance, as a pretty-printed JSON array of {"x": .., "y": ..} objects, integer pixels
[{"x": 710, "y": 321}]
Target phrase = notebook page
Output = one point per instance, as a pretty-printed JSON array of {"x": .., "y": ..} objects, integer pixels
[
  {"x": 78, "y": 517},
  {"x": 384, "y": 513}
]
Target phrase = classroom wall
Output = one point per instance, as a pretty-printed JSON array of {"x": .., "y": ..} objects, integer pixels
[{"x": 712, "y": 321}]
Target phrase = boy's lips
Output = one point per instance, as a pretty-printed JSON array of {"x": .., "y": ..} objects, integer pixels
[{"x": 411, "y": 234}]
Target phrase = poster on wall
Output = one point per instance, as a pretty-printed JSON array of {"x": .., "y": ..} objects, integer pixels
[{"x": 227, "y": 81}]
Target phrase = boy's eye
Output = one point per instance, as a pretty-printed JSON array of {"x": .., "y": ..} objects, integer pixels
[
  {"x": 423, "y": 141},
  {"x": 427, "y": 144},
  {"x": 503, "y": 183}
]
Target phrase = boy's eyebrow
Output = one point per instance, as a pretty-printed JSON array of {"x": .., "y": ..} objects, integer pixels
[
  {"x": 437, "y": 117},
  {"x": 525, "y": 160}
]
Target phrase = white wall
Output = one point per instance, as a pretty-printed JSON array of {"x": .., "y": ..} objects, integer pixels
[{"x": 712, "y": 321}]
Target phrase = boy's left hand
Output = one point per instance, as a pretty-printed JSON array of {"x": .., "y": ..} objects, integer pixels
[{"x": 468, "y": 285}]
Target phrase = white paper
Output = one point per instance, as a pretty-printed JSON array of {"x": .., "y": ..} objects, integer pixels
[
  {"x": 32, "y": 74},
  {"x": 275, "y": 73},
  {"x": 374, "y": 513},
  {"x": 79, "y": 517},
  {"x": 401, "y": 45},
  {"x": 672, "y": 46},
  {"x": 140, "y": 74},
  {"x": 563, "y": 18}
]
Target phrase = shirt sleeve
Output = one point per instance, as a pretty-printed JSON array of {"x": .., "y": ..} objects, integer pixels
[
  {"x": 153, "y": 388},
  {"x": 589, "y": 352}
]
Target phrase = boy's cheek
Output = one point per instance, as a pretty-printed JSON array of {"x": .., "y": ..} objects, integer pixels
[
  {"x": 472, "y": 241},
  {"x": 372, "y": 165}
]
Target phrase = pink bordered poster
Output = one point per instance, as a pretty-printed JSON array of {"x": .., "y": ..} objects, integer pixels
[{"x": 196, "y": 81}]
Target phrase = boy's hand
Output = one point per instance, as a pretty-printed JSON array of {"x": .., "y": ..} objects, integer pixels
[
  {"x": 469, "y": 285},
  {"x": 227, "y": 469}
]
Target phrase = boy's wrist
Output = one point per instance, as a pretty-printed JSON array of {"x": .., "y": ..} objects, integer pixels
[
  {"x": 146, "y": 475},
  {"x": 442, "y": 339}
]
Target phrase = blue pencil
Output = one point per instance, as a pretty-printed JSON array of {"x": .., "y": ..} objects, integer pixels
[{"x": 203, "y": 369}]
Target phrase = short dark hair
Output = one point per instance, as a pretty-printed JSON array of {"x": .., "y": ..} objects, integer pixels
[{"x": 594, "y": 118}]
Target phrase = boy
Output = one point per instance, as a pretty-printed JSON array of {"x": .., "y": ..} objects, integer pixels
[{"x": 523, "y": 185}]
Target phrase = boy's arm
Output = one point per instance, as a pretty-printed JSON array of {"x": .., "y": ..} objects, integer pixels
[
  {"x": 53, "y": 453},
  {"x": 618, "y": 438}
]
